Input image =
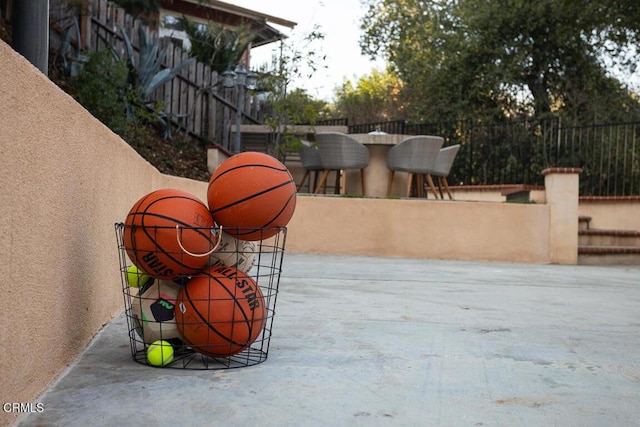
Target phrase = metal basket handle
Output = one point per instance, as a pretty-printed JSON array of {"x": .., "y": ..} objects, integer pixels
[{"x": 212, "y": 229}]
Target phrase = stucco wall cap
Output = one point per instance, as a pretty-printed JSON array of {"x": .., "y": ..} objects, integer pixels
[{"x": 549, "y": 171}]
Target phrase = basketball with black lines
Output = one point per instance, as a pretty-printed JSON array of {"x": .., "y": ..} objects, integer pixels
[
  {"x": 165, "y": 233},
  {"x": 250, "y": 195},
  {"x": 220, "y": 312}
]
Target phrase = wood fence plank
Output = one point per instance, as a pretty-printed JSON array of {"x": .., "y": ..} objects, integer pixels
[
  {"x": 175, "y": 87},
  {"x": 198, "y": 100},
  {"x": 212, "y": 106},
  {"x": 191, "y": 95}
]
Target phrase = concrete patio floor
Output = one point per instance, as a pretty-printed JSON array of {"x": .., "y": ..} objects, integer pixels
[{"x": 364, "y": 341}]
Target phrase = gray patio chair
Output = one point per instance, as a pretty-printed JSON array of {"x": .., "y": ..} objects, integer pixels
[
  {"x": 443, "y": 166},
  {"x": 339, "y": 152},
  {"x": 415, "y": 155},
  {"x": 310, "y": 158}
]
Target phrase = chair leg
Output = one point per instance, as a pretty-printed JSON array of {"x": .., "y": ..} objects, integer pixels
[
  {"x": 364, "y": 188},
  {"x": 304, "y": 178},
  {"x": 390, "y": 184},
  {"x": 409, "y": 181},
  {"x": 445, "y": 184},
  {"x": 315, "y": 181},
  {"x": 439, "y": 185},
  {"x": 423, "y": 185},
  {"x": 432, "y": 186},
  {"x": 339, "y": 182},
  {"x": 323, "y": 181}
]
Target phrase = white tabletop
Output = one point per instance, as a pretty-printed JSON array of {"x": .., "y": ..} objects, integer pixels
[{"x": 378, "y": 138}]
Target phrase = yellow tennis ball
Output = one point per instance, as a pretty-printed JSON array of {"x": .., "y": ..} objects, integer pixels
[
  {"x": 160, "y": 353},
  {"x": 136, "y": 277}
]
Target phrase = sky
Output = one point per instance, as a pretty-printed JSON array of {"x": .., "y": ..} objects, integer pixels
[{"x": 339, "y": 20}]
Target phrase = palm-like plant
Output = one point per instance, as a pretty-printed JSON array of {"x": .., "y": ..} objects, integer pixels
[
  {"x": 67, "y": 48},
  {"x": 217, "y": 46},
  {"x": 148, "y": 74}
]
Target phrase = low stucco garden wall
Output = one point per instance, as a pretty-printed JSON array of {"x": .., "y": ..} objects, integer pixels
[{"x": 420, "y": 229}]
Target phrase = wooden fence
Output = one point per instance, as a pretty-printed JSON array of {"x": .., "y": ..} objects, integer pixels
[{"x": 194, "y": 100}]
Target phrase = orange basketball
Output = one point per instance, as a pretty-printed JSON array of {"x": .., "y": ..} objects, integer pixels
[
  {"x": 156, "y": 246},
  {"x": 250, "y": 191},
  {"x": 220, "y": 312}
]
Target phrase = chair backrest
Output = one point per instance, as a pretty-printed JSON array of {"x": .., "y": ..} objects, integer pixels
[
  {"x": 340, "y": 151},
  {"x": 416, "y": 154},
  {"x": 310, "y": 158},
  {"x": 445, "y": 160}
]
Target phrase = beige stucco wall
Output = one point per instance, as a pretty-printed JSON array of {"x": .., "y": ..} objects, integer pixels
[
  {"x": 614, "y": 213},
  {"x": 491, "y": 195},
  {"x": 65, "y": 179},
  {"x": 562, "y": 200},
  {"x": 420, "y": 229}
]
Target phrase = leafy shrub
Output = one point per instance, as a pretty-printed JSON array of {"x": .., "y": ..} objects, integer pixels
[{"x": 103, "y": 89}]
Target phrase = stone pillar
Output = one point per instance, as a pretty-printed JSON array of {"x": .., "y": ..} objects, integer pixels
[
  {"x": 562, "y": 192},
  {"x": 215, "y": 156}
]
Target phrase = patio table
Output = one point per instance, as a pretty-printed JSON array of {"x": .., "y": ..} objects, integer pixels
[{"x": 377, "y": 173}]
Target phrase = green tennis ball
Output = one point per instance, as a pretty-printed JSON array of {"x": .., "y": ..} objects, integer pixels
[
  {"x": 160, "y": 353},
  {"x": 136, "y": 277}
]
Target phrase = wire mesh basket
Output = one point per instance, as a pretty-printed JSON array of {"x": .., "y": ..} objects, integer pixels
[{"x": 156, "y": 309}]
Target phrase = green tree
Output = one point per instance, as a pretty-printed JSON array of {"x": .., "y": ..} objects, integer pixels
[
  {"x": 301, "y": 108},
  {"x": 505, "y": 57},
  {"x": 295, "y": 62},
  {"x": 374, "y": 98}
]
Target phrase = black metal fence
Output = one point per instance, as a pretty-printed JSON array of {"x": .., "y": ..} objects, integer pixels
[
  {"x": 515, "y": 152},
  {"x": 609, "y": 155},
  {"x": 332, "y": 122}
]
